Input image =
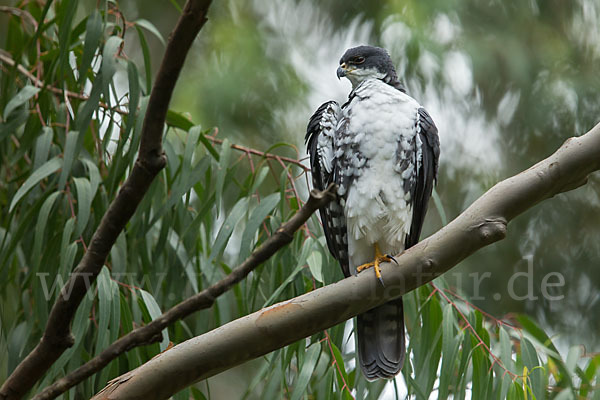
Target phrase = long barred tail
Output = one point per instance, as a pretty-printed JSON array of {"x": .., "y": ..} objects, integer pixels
[{"x": 381, "y": 347}]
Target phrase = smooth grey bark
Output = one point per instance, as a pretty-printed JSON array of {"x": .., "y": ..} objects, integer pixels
[{"x": 254, "y": 335}]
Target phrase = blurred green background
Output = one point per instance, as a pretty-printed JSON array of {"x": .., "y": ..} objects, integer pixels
[{"x": 507, "y": 82}]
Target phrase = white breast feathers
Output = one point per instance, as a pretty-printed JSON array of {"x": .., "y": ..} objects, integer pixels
[{"x": 380, "y": 123}]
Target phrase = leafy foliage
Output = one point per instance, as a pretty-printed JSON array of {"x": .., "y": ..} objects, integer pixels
[{"x": 72, "y": 104}]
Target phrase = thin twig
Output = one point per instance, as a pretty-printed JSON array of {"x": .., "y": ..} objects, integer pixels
[
  {"x": 290, "y": 178},
  {"x": 474, "y": 332},
  {"x": 39, "y": 83},
  {"x": 24, "y": 14},
  {"x": 497, "y": 321},
  {"x": 334, "y": 362},
  {"x": 261, "y": 153}
]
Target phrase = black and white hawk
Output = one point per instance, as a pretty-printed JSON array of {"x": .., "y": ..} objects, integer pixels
[{"x": 381, "y": 149}]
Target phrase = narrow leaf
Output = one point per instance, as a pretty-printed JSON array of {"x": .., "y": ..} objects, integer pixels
[
  {"x": 257, "y": 216},
  {"x": 93, "y": 32},
  {"x": 222, "y": 171},
  {"x": 572, "y": 357},
  {"x": 178, "y": 121},
  {"x": 530, "y": 360},
  {"x": 69, "y": 156},
  {"x": 109, "y": 59},
  {"x": 155, "y": 312},
  {"x": 42, "y": 172},
  {"x": 450, "y": 345},
  {"x": 228, "y": 226},
  {"x": 24, "y": 94},
  {"x": 84, "y": 203},
  {"x": 341, "y": 371},
  {"x": 134, "y": 95},
  {"x": 147, "y": 58},
  {"x": 259, "y": 178},
  {"x": 315, "y": 264},
  {"x": 94, "y": 175},
  {"x": 149, "y": 26},
  {"x": 506, "y": 350},
  {"x": 104, "y": 309},
  {"x": 310, "y": 362},
  {"x": 65, "y": 14},
  {"x": 281, "y": 287},
  {"x": 42, "y": 147},
  {"x": 41, "y": 226}
]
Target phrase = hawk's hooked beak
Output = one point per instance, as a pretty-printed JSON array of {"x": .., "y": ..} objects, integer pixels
[{"x": 341, "y": 71}]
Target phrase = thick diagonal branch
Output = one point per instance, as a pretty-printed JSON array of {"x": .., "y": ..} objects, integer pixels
[
  {"x": 252, "y": 336},
  {"x": 57, "y": 336},
  {"x": 205, "y": 299}
]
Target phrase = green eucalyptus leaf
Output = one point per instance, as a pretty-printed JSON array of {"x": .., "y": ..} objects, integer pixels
[
  {"x": 265, "y": 207},
  {"x": 21, "y": 98},
  {"x": 93, "y": 33},
  {"x": 70, "y": 154},
  {"x": 155, "y": 312},
  {"x": 104, "y": 309},
  {"x": 306, "y": 371},
  {"x": 234, "y": 217},
  {"x": 149, "y": 26},
  {"x": 48, "y": 168},
  {"x": 315, "y": 264},
  {"x": 84, "y": 203},
  {"x": 42, "y": 147}
]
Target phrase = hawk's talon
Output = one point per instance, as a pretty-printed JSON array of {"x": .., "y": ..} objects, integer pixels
[
  {"x": 375, "y": 265},
  {"x": 379, "y": 258},
  {"x": 381, "y": 280},
  {"x": 391, "y": 258}
]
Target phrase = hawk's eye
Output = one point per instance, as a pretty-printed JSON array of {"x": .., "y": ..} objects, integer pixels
[{"x": 358, "y": 60}]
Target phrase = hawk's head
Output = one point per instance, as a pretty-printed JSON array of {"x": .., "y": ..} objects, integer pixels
[{"x": 367, "y": 62}]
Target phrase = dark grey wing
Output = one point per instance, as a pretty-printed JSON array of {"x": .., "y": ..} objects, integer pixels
[
  {"x": 428, "y": 144},
  {"x": 320, "y": 135},
  {"x": 319, "y": 143}
]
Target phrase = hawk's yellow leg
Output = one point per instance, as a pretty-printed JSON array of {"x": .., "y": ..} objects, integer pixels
[{"x": 379, "y": 258}]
